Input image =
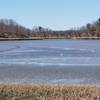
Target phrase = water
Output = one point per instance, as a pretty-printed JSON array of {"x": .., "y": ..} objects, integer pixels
[{"x": 50, "y": 61}]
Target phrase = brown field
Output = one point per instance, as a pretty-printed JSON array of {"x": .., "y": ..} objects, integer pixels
[{"x": 49, "y": 92}]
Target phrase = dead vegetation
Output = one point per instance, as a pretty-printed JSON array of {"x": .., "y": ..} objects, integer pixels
[{"x": 49, "y": 92}]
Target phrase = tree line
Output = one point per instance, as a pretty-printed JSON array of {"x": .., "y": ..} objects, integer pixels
[{"x": 10, "y": 29}]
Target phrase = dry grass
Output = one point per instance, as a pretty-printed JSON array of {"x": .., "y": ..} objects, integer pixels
[{"x": 49, "y": 92}]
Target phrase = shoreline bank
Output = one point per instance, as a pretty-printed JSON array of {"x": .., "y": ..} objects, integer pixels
[
  {"x": 49, "y": 92},
  {"x": 43, "y": 38}
]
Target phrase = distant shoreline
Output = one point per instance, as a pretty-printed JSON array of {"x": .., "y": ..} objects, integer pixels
[
  {"x": 43, "y": 38},
  {"x": 49, "y": 92}
]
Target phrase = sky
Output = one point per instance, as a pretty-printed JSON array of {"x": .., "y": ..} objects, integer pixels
[{"x": 53, "y": 14}]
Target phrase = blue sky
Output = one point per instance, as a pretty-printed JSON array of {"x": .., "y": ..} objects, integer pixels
[{"x": 53, "y": 14}]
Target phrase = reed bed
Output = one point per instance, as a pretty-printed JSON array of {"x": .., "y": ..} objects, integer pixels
[{"x": 49, "y": 92}]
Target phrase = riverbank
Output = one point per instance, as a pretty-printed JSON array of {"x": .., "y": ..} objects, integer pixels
[
  {"x": 49, "y": 92},
  {"x": 42, "y": 38},
  {"x": 20, "y": 39},
  {"x": 33, "y": 38}
]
